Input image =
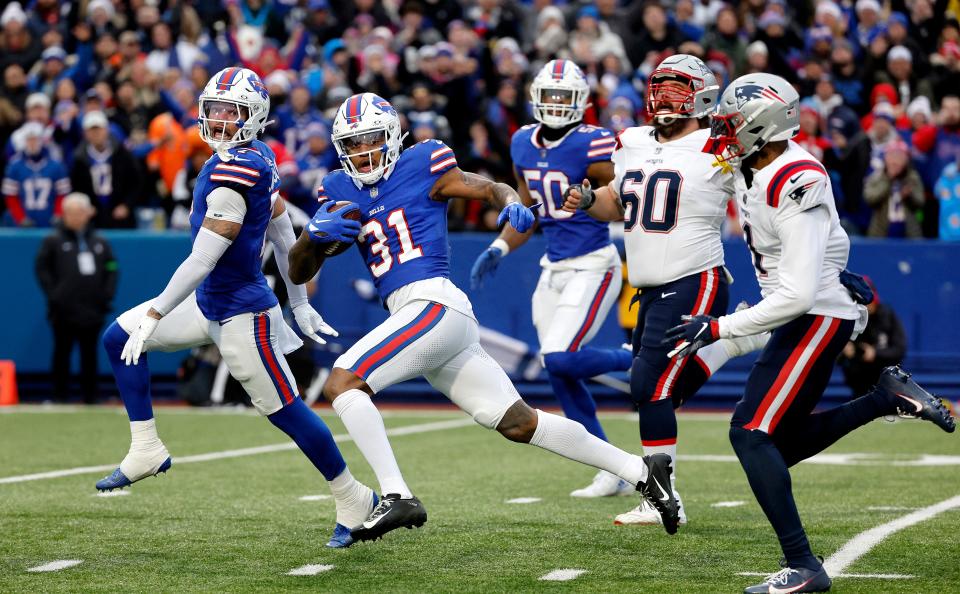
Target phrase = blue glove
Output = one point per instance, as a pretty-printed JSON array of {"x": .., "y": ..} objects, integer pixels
[
  {"x": 687, "y": 338},
  {"x": 521, "y": 217},
  {"x": 486, "y": 263},
  {"x": 328, "y": 227},
  {"x": 857, "y": 286}
]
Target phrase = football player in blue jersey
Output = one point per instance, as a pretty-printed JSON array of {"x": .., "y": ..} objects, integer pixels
[
  {"x": 219, "y": 295},
  {"x": 582, "y": 274},
  {"x": 401, "y": 199},
  {"x": 34, "y": 183}
]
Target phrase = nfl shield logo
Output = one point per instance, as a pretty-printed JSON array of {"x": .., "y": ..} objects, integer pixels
[{"x": 374, "y": 192}]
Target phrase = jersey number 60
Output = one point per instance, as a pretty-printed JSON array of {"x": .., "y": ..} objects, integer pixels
[{"x": 661, "y": 200}]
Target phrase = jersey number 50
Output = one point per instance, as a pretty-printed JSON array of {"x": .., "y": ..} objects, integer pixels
[
  {"x": 408, "y": 251},
  {"x": 660, "y": 203}
]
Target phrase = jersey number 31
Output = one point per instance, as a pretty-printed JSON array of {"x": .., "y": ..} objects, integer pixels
[
  {"x": 656, "y": 205},
  {"x": 408, "y": 251}
]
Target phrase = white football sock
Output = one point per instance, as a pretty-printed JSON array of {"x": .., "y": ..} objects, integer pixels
[
  {"x": 715, "y": 355},
  {"x": 146, "y": 452},
  {"x": 354, "y": 499},
  {"x": 143, "y": 435},
  {"x": 568, "y": 438},
  {"x": 670, "y": 450},
  {"x": 365, "y": 426}
]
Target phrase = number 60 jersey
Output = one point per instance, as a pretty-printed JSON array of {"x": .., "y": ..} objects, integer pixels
[{"x": 675, "y": 201}]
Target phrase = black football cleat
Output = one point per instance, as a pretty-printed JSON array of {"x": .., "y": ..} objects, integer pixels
[
  {"x": 391, "y": 513},
  {"x": 791, "y": 579},
  {"x": 658, "y": 492},
  {"x": 912, "y": 401}
]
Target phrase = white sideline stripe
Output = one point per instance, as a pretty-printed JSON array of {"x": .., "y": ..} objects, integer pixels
[
  {"x": 861, "y": 544},
  {"x": 728, "y": 504},
  {"x": 115, "y": 493},
  {"x": 562, "y": 575},
  {"x": 890, "y": 508},
  {"x": 878, "y": 576},
  {"x": 523, "y": 500},
  {"x": 56, "y": 565},
  {"x": 315, "y": 497},
  {"x": 267, "y": 449},
  {"x": 310, "y": 570}
]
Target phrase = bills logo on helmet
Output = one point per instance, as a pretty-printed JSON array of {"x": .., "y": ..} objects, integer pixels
[
  {"x": 258, "y": 86},
  {"x": 383, "y": 105}
]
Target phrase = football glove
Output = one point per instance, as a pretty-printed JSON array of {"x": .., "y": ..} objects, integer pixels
[
  {"x": 587, "y": 195},
  {"x": 521, "y": 218},
  {"x": 310, "y": 323},
  {"x": 695, "y": 332},
  {"x": 134, "y": 345},
  {"x": 857, "y": 286},
  {"x": 328, "y": 227},
  {"x": 486, "y": 263}
]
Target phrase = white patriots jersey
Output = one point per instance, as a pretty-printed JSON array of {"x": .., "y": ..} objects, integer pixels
[
  {"x": 675, "y": 200},
  {"x": 791, "y": 227}
]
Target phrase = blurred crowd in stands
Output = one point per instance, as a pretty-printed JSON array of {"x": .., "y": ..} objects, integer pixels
[{"x": 99, "y": 96}]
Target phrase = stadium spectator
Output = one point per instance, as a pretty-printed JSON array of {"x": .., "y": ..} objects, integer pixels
[
  {"x": 847, "y": 76},
  {"x": 592, "y": 39},
  {"x": 882, "y": 343},
  {"x": 18, "y": 45},
  {"x": 34, "y": 182},
  {"x": 78, "y": 274},
  {"x": 550, "y": 34},
  {"x": 940, "y": 143},
  {"x": 948, "y": 193},
  {"x": 652, "y": 34},
  {"x": 901, "y": 74},
  {"x": 107, "y": 172},
  {"x": 849, "y": 159},
  {"x": 810, "y": 136},
  {"x": 868, "y": 22},
  {"x": 895, "y": 193},
  {"x": 881, "y": 133}
]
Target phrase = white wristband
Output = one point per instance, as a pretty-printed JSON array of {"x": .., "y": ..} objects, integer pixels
[{"x": 501, "y": 245}]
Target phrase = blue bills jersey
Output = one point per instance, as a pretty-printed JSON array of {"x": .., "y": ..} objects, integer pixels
[
  {"x": 236, "y": 284},
  {"x": 404, "y": 233},
  {"x": 36, "y": 186},
  {"x": 548, "y": 171}
]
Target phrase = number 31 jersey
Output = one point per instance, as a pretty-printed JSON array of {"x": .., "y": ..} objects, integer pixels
[{"x": 675, "y": 200}]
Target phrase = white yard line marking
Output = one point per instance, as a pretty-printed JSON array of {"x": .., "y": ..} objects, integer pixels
[
  {"x": 861, "y": 544},
  {"x": 523, "y": 500},
  {"x": 315, "y": 497},
  {"x": 55, "y": 565},
  {"x": 728, "y": 504},
  {"x": 267, "y": 449},
  {"x": 878, "y": 576},
  {"x": 562, "y": 575},
  {"x": 115, "y": 493},
  {"x": 310, "y": 570},
  {"x": 890, "y": 508},
  {"x": 852, "y": 459}
]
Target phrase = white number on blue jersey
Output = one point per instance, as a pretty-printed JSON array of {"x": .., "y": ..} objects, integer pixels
[
  {"x": 408, "y": 251},
  {"x": 36, "y": 192},
  {"x": 550, "y": 193}
]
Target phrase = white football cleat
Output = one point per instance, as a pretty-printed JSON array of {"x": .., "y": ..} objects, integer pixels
[
  {"x": 605, "y": 484},
  {"x": 646, "y": 515}
]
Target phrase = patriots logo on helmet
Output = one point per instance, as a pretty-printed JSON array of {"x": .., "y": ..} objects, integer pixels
[
  {"x": 746, "y": 93},
  {"x": 258, "y": 85}
]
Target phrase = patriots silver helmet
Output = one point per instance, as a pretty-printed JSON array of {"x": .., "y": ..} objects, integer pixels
[
  {"x": 559, "y": 94},
  {"x": 367, "y": 121},
  {"x": 681, "y": 86},
  {"x": 754, "y": 110},
  {"x": 232, "y": 96}
]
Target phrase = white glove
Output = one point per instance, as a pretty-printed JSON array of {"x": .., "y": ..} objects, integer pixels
[
  {"x": 310, "y": 323},
  {"x": 134, "y": 346}
]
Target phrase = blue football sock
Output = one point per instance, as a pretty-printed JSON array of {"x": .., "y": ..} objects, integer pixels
[
  {"x": 587, "y": 362},
  {"x": 658, "y": 422},
  {"x": 312, "y": 436},
  {"x": 133, "y": 381},
  {"x": 577, "y": 403},
  {"x": 770, "y": 480}
]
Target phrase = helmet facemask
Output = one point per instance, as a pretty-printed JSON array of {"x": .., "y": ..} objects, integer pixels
[
  {"x": 370, "y": 149},
  {"x": 671, "y": 96},
  {"x": 723, "y": 141},
  {"x": 216, "y": 115},
  {"x": 557, "y": 107}
]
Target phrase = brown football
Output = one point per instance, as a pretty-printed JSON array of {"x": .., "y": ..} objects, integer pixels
[{"x": 336, "y": 248}]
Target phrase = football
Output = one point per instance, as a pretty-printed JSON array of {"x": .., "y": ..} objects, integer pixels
[{"x": 336, "y": 248}]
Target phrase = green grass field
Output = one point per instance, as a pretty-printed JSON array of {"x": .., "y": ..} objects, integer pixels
[{"x": 238, "y": 525}]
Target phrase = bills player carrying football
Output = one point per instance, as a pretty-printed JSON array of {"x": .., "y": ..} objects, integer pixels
[
  {"x": 431, "y": 332},
  {"x": 219, "y": 295},
  {"x": 582, "y": 274},
  {"x": 799, "y": 251},
  {"x": 672, "y": 198}
]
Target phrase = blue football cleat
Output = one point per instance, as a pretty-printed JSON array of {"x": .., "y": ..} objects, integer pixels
[
  {"x": 117, "y": 480},
  {"x": 342, "y": 538}
]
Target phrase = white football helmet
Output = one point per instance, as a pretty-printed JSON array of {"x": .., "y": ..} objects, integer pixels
[
  {"x": 754, "y": 110},
  {"x": 233, "y": 96},
  {"x": 559, "y": 94},
  {"x": 669, "y": 102},
  {"x": 367, "y": 120}
]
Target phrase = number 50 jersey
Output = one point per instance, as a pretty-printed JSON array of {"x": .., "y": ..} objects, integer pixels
[{"x": 675, "y": 200}]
